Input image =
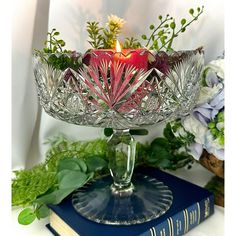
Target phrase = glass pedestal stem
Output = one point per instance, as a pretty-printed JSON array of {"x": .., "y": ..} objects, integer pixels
[
  {"x": 121, "y": 153},
  {"x": 113, "y": 199}
]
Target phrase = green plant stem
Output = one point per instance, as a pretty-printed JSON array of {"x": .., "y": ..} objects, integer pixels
[
  {"x": 170, "y": 41},
  {"x": 157, "y": 28}
]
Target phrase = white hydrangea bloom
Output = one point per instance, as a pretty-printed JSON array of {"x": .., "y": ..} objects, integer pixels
[
  {"x": 211, "y": 141},
  {"x": 218, "y": 67},
  {"x": 195, "y": 127},
  {"x": 207, "y": 93},
  {"x": 195, "y": 150},
  {"x": 213, "y": 146}
]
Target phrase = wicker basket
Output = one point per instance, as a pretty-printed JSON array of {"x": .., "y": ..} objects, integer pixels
[{"x": 216, "y": 184}]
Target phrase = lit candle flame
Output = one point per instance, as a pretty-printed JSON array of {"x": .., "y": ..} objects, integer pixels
[{"x": 118, "y": 47}]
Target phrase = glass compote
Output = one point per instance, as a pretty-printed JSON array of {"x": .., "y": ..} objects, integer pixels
[{"x": 116, "y": 95}]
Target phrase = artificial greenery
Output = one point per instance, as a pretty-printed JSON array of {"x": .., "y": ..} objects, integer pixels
[
  {"x": 68, "y": 166},
  {"x": 71, "y": 164},
  {"x": 31, "y": 183},
  {"x": 218, "y": 130},
  {"x": 166, "y": 152},
  {"x": 104, "y": 37},
  {"x": 53, "y": 44},
  {"x": 161, "y": 36},
  {"x": 56, "y": 56},
  {"x": 131, "y": 42}
]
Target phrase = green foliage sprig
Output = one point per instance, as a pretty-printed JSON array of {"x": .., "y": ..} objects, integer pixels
[
  {"x": 29, "y": 184},
  {"x": 57, "y": 56},
  {"x": 53, "y": 44},
  {"x": 94, "y": 33},
  {"x": 163, "y": 35},
  {"x": 68, "y": 166},
  {"x": 165, "y": 152},
  {"x": 132, "y": 43},
  {"x": 104, "y": 36},
  {"x": 71, "y": 164}
]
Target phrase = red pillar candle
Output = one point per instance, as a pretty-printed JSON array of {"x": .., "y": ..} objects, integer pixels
[
  {"x": 135, "y": 57},
  {"x": 99, "y": 55}
]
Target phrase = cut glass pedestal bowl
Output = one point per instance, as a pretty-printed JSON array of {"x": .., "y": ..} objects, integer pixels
[{"x": 119, "y": 96}]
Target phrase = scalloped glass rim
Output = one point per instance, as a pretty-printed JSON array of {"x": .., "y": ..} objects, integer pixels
[{"x": 164, "y": 96}]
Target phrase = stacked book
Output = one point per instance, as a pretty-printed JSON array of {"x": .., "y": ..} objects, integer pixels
[{"x": 191, "y": 206}]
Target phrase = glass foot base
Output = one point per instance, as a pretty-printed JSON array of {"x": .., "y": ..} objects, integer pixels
[{"x": 149, "y": 200}]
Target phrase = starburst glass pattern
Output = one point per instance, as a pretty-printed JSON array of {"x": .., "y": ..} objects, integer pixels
[{"x": 118, "y": 95}]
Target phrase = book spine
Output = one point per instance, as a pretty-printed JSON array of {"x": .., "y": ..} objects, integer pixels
[{"x": 185, "y": 220}]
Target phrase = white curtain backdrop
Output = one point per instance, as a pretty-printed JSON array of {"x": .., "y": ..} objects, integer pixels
[{"x": 31, "y": 21}]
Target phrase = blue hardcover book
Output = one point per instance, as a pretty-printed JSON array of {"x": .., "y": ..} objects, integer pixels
[{"x": 191, "y": 205}]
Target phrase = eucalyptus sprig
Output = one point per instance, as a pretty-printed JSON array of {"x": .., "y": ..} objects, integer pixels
[
  {"x": 71, "y": 164},
  {"x": 68, "y": 166}
]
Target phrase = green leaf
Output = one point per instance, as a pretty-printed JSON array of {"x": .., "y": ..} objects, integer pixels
[
  {"x": 164, "y": 163},
  {"x": 71, "y": 179},
  {"x": 54, "y": 197},
  {"x": 82, "y": 165},
  {"x": 161, "y": 142},
  {"x": 96, "y": 163},
  {"x": 191, "y": 11},
  {"x": 160, "y": 156},
  {"x": 108, "y": 132},
  {"x": 167, "y": 132},
  {"x": 144, "y": 36},
  {"x": 27, "y": 216},
  {"x": 163, "y": 40},
  {"x": 211, "y": 125},
  {"x": 72, "y": 164},
  {"x": 172, "y": 25},
  {"x": 161, "y": 153},
  {"x": 151, "y": 27},
  {"x": 160, "y": 33},
  {"x": 138, "y": 132},
  {"x": 42, "y": 212},
  {"x": 183, "y": 21},
  {"x": 63, "y": 44}
]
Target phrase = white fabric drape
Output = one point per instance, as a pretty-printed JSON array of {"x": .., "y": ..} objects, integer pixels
[
  {"x": 31, "y": 21},
  {"x": 30, "y": 25}
]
